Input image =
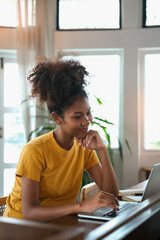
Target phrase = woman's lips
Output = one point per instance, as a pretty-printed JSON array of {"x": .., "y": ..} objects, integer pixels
[{"x": 84, "y": 130}]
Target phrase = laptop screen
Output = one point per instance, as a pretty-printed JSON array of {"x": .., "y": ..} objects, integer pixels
[{"x": 153, "y": 184}]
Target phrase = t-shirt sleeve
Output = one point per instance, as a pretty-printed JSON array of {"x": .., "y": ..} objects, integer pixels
[
  {"x": 31, "y": 163},
  {"x": 91, "y": 159}
]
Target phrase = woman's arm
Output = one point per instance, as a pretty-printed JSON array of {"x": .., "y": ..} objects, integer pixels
[
  {"x": 104, "y": 177},
  {"x": 103, "y": 174},
  {"x": 33, "y": 211},
  {"x": 31, "y": 208}
]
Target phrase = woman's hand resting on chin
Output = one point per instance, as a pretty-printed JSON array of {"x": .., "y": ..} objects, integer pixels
[{"x": 92, "y": 141}]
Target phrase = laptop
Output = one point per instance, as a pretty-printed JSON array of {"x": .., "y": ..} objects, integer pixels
[{"x": 106, "y": 213}]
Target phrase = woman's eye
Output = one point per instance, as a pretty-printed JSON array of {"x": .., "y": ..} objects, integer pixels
[{"x": 77, "y": 117}]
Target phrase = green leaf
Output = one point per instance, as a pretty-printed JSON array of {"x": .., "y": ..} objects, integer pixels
[
  {"x": 103, "y": 120},
  {"x": 108, "y": 138},
  {"x": 101, "y": 126},
  {"x": 129, "y": 148},
  {"x": 99, "y": 100},
  {"x": 120, "y": 149}
]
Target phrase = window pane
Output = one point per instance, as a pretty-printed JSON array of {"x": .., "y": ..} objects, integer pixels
[
  {"x": 11, "y": 85},
  {"x": 152, "y": 100},
  {"x": 8, "y": 13},
  {"x": 13, "y": 137},
  {"x": 9, "y": 177},
  {"x": 104, "y": 75},
  {"x": 152, "y": 12},
  {"x": 89, "y": 14}
]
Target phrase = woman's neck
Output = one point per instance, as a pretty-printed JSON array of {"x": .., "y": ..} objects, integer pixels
[{"x": 64, "y": 141}]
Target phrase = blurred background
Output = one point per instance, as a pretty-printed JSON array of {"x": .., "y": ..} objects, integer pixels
[{"x": 119, "y": 44}]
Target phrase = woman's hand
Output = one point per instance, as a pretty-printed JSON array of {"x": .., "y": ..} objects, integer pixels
[
  {"x": 103, "y": 173},
  {"x": 92, "y": 141},
  {"x": 102, "y": 199}
]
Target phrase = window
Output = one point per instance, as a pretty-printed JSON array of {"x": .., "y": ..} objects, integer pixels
[
  {"x": 104, "y": 83},
  {"x": 151, "y": 9},
  {"x": 8, "y": 13},
  {"x": 9, "y": 8},
  {"x": 149, "y": 101},
  {"x": 88, "y": 14},
  {"x": 12, "y": 131}
]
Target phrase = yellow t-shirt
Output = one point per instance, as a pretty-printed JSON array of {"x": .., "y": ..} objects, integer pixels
[{"x": 58, "y": 171}]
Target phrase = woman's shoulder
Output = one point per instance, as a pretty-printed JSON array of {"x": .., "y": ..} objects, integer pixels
[
  {"x": 41, "y": 139},
  {"x": 39, "y": 142},
  {"x": 36, "y": 148}
]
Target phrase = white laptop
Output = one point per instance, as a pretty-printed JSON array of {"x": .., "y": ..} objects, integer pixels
[{"x": 106, "y": 213}]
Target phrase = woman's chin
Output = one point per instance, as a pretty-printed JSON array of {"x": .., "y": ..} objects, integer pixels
[{"x": 81, "y": 135}]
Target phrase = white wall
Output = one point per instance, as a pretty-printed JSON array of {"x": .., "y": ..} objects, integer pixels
[{"x": 130, "y": 38}]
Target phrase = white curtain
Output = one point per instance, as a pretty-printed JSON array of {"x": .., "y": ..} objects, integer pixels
[{"x": 35, "y": 38}]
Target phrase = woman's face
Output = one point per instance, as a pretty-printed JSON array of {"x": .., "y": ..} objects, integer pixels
[{"x": 77, "y": 118}]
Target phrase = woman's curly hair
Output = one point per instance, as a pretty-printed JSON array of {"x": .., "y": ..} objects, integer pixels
[{"x": 58, "y": 83}]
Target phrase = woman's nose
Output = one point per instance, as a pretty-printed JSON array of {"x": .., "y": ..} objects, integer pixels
[{"x": 86, "y": 121}]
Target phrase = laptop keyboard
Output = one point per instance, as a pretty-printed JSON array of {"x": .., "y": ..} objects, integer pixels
[{"x": 122, "y": 207}]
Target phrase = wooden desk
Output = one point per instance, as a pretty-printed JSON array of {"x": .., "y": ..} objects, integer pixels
[
  {"x": 87, "y": 225},
  {"x": 142, "y": 222},
  {"x": 18, "y": 229},
  {"x": 74, "y": 221}
]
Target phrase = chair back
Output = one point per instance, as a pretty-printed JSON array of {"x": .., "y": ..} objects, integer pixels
[
  {"x": 2, "y": 205},
  {"x": 89, "y": 190}
]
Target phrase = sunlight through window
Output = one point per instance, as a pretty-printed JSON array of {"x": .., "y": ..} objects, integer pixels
[
  {"x": 152, "y": 100},
  {"x": 89, "y": 14},
  {"x": 8, "y": 13},
  {"x": 152, "y": 13}
]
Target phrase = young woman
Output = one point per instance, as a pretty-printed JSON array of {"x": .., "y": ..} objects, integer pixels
[{"x": 49, "y": 172}]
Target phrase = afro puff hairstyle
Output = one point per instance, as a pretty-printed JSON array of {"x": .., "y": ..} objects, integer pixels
[{"x": 58, "y": 83}]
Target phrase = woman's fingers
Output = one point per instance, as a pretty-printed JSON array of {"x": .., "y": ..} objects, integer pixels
[
  {"x": 92, "y": 140},
  {"x": 102, "y": 199},
  {"x": 89, "y": 138},
  {"x": 107, "y": 199},
  {"x": 110, "y": 196},
  {"x": 113, "y": 205},
  {"x": 90, "y": 135}
]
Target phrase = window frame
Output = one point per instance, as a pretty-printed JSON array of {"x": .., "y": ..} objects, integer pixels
[
  {"x": 8, "y": 56},
  {"x": 89, "y": 29},
  {"x": 144, "y": 16},
  {"x": 147, "y": 157}
]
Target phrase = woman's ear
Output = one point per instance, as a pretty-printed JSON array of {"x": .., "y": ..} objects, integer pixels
[{"x": 57, "y": 119}]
